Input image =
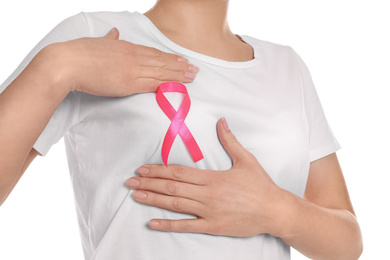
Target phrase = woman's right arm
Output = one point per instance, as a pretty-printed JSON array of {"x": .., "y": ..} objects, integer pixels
[
  {"x": 26, "y": 107},
  {"x": 102, "y": 66}
]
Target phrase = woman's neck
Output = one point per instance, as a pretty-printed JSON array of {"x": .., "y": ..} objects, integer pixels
[
  {"x": 191, "y": 17},
  {"x": 201, "y": 26}
]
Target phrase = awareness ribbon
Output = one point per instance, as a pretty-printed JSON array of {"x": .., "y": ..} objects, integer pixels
[{"x": 177, "y": 121}]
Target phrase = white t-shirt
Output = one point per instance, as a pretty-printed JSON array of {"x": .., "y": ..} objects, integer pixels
[{"x": 269, "y": 102}]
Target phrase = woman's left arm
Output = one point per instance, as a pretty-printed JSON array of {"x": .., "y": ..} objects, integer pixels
[
  {"x": 323, "y": 225},
  {"x": 244, "y": 201}
]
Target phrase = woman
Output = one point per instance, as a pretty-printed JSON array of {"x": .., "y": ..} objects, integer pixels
[{"x": 250, "y": 207}]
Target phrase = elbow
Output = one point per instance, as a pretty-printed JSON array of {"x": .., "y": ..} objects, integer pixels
[
  {"x": 356, "y": 238},
  {"x": 357, "y": 252},
  {"x": 359, "y": 241},
  {"x": 357, "y": 248},
  {"x": 360, "y": 251},
  {"x": 351, "y": 252},
  {"x": 352, "y": 248}
]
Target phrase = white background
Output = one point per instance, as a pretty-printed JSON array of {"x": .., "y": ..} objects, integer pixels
[{"x": 345, "y": 44}]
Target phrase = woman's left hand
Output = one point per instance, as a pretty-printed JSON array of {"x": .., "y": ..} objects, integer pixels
[{"x": 240, "y": 202}]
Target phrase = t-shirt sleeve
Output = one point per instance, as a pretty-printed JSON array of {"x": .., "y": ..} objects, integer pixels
[
  {"x": 66, "y": 115},
  {"x": 322, "y": 141}
]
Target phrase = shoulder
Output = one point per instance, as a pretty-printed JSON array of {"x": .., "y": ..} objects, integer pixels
[
  {"x": 95, "y": 24},
  {"x": 275, "y": 54},
  {"x": 269, "y": 47},
  {"x": 101, "y": 22},
  {"x": 107, "y": 16}
]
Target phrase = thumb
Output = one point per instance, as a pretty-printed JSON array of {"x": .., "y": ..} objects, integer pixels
[
  {"x": 113, "y": 34},
  {"x": 229, "y": 141}
]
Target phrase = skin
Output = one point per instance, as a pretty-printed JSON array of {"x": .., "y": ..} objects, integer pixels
[
  {"x": 322, "y": 225},
  {"x": 200, "y": 26},
  {"x": 244, "y": 201},
  {"x": 29, "y": 102}
]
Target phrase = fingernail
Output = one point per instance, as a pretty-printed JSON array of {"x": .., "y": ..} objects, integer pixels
[
  {"x": 225, "y": 124},
  {"x": 142, "y": 170},
  {"x": 140, "y": 194},
  {"x": 193, "y": 69},
  {"x": 181, "y": 59},
  {"x": 154, "y": 223},
  {"x": 113, "y": 30},
  {"x": 132, "y": 182},
  {"x": 190, "y": 75}
]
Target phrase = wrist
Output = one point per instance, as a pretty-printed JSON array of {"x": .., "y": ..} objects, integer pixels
[
  {"x": 53, "y": 69},
  {"x": 284, "y": 213}
]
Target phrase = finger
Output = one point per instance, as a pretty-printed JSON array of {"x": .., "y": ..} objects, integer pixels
[
  {"x": 164, "y": 74},
  {"x": 182, "y": 225},
  {"x": 229, "y": 141},
  {"x": 164, "y": 60},
  {"x": 147, "y": 85},
  {"x": 177, "y": 204},
  {"x": 175, "y": 172},
  {"x": 158, "y": 55},
  {"x": 170, "y": 62},
  {"x": 113, "y": 34},
  {"x": 167, "y": 187}
]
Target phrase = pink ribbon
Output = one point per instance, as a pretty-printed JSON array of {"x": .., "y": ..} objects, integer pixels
[{"x": 177, "y": 121}]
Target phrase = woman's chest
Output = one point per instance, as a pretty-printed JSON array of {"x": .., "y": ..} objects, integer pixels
[{"x": 270, "y": 123}]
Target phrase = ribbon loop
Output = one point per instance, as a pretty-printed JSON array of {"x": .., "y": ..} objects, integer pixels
[{"x": 177, "y": 121}]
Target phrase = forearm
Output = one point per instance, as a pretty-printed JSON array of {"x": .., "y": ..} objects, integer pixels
[
  {"x": 318, "y": 232},
  {"x": 26, "y": 107}
]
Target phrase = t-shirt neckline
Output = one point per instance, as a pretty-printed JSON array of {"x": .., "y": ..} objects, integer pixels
[{"x": 142, "y": 19}]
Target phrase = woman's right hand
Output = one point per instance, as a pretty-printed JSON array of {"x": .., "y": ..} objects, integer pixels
[{"x": 106, "y": 66}]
